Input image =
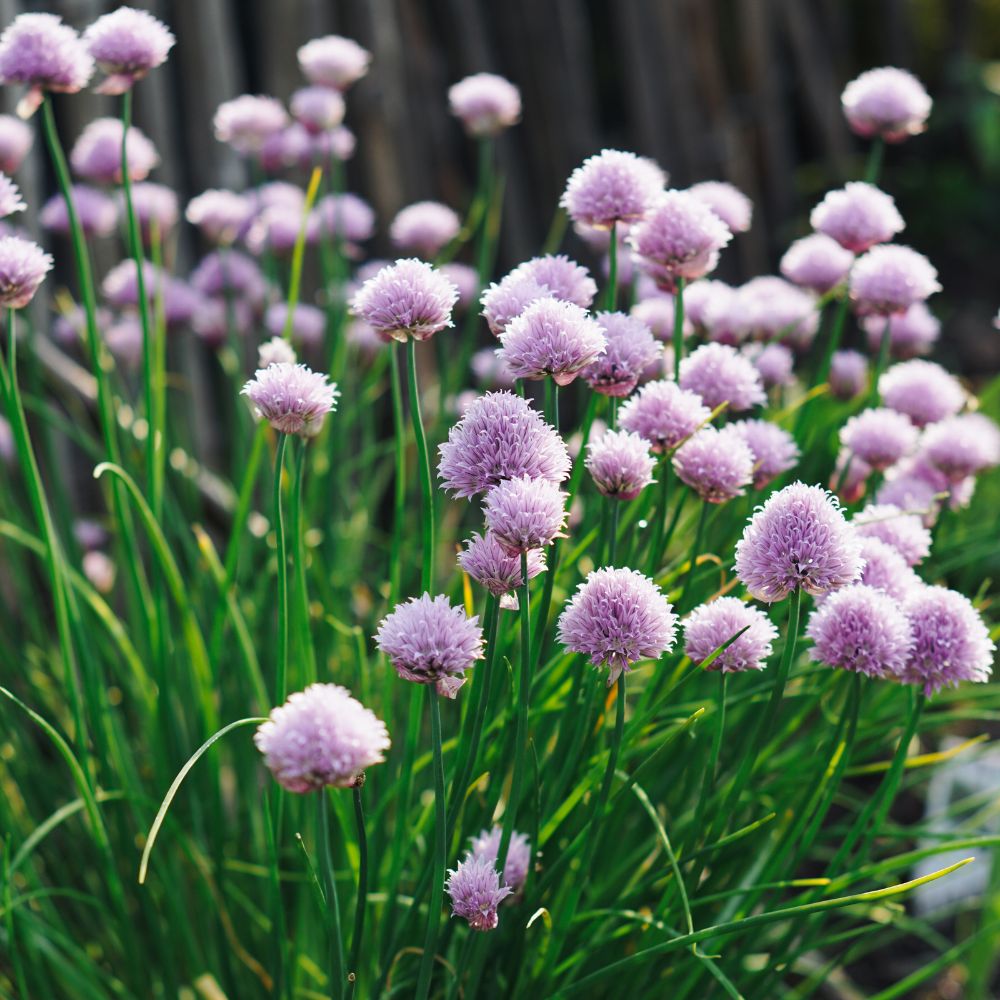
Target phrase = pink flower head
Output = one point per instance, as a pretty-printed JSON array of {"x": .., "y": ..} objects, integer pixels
[
  {"x": 245, "y": 122},
  {"x": 616, "y": 618},
  {"x": 493, "y": 566},
  {"x": 506, "y": 300},
  {"x": 276, "y": 228},
  {"x": 727, "y": 201},
  {"x": 317, "y": 109},
  {"x": 850, "y": 476},
  {"x": 720, "y": 374},
  {"x": 962, "y": 446},
  {"x": 716, "y": 464},
  {"x": 222, "y": 216},
  {"x": 308, "y": 322},
  {"x": 950, "y": 641},
  {"x": 631, "y": 349},
  {"x": 774, "y": 362},
  {"x": 719, "y": 310},
  {"x": 10, "y": 197},
  {"x": 890, "y": 279},
  {"x": 475, "y": 892},
  {"x": 857, "y": 216},
  {"x": 487, "y": 846},
  {"x": 911, "y": 333},
  {"x": 275, "y": 351},
  {"x": 861, "y": 629},
  {"x": 879, "y": 437},
  {"x": 333, "y": 61},
  {"x": 293, "y": 399},
  {"x": 127, "y": 44},
  {"x": 485, "y": 103},
  {"x": 664, "y": 414},
  {"x": 774, "y": 449},
  {"x": 500, "y": 437},
  {"x": 233, "y": 274},
  {"x": 424, "y": 228},
  {"x": 553, "y": 338},
  {"x": 610, "y": 187},
  {"x": 712, "y": 625},
  {"x": 848, "y": 374},
  {"x": 490, "y": 370},
  {"x": 96, "y": 212},
  {"x": 563, "y": 278},
  {"x": 914, "y": 485},
  {"x": 620, "y": 464},
  {"x": 345, "y": 216},
  {"x": 430, "y": 642},
  {"x": 922, "y": 390},
  {"x": 406, "y": 299},
  {"x": 888, "y": 102},
  {"x": 525, "y": 513},
  {"x": 775, "y": 309},
  {"x": 903, "y": 531},
  {"x": 886, "y": 570},
  {"x": 798, "y": 539},
  {"x": 39, "y": 50},
  {"x": 97, "y": 155},
  {"x": 335, "y": 144},
  {"x": 15, "y": 142},
  {"x": 289, "y": 146},
  {"x": 23, "y": 266},
  {"x": 657, "y": 313},
  {"x": 154, "y": 205},
  {"x": 465, "y": 279},
  {"x": 216, "y": 318},
  {"x": 817, "y": 262},
  {"x": 680, "y": 237},
  {"x": 321, "y": 737}
]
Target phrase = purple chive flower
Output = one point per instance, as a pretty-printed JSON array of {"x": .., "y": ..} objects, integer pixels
[
  {"x": 798, "y": 539},
  {"x": 222, "y": 216},
  {"x": 506, "y": 300},
  {"x": 887, "y": 102},
  {"x": 712, "y": 625},
  {"x": 915, "y": 485},
  {"x": 15, "y": 142},
  {"x": 485, "y": 103},
  {"x": 631, "y": 349},
  {"x": 664, "y": 414},
  {"x": 903, "y": 531},
  {"x": 424, "y": 228},
  {"x": 911, "y": 333},
  {"x": 154, "y": 205},
  {"x": 317, "y": 109},
  {"x": 486, "y": 847},
  {"x": 775, "y": 309},
  {"x": 97, "y": 155},
  {"x": 610, "y": 187},
  {"x": 890, "y": 279},
  {"x": 525, "y": 513},
  {"x": 702, "y": 300},
  {"x": 23, "y": 266},
  {"x": 492, "y": 566},
  {"x": 680, "y": 237},
  {"x": 245, "y": 122},
  {"x": 124, "y": 340},
  {"x": 10, "y": 197},
  {"x": 861, "y": 629},
  {"x": 308, "y": 322},
  {"x": 275, "y": 351},
  {"x": 430, "y": 642},
  {"x": 276, "y": 228},
  {"x": 121, "y": 288},
  {"x": 465, "y": 279},
  {"x": 333, "y": 61},
  {"x": 720, "y": 374},
  {"x": 406, "y": 299},
  {"x": 336, "y": 144},
  {"x": 950, "y": 641},
  {"x": 96, "y": 212},
  {"x": 922, "y": 390},
  {"x": 962, "y": 446},
  {"x": 127, "y": 44},
  {"x": 620, "y": 464},
  {"x": 39, "y": 50},
  {"x": 490, "y": 370},
  {"x": 716, "y": 464},
  {"x": 657, "y": 313},
  {"x": 848, "y": 374},
  {"x": 774, "y": 449},
  {"x": 215, "y": 317},
  {"x": 850, "y": 476},
  {"x": 857, "y": 216},
  {"x": 500, "y": 437},
  {"x": 727, "y": 201},
  {"x": 293, "y": 399},
  {"x": 552, "y": 338},
  {"x": 345, "y": 216},
  {"x": 774, "y": 362},
  {"x": 230, "y": 273},
  {"x": 321, "y": 737},
  {"x": 616, "y": 618},
  {"x": 879, "y": 437},
  {"x": 886, "y": 570},
  {"x": 563, "y": 278},
  {"x": 817, "y": 262},
  {"x": 290, "y": 146},
  {"x": 476, "y": 893}
]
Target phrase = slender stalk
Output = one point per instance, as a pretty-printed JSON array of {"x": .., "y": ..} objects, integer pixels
[
  {"x": 693, "y": 555},
  {"x": 440, "y": 851},
  {"x": 678, "y": 328},
  {"x": 552, "y": 402},
  {"x": 399, "y": 485},
  {"x": 426, "y": 481},
  {"x": 615, "y": 513},
  {"x": 357, "y": 937},
  {"x": 873, "y": 168},
  {"x": 281, "y": 675},
  {"x": 611, "y": 295},
  {"x": 880, "y": 364},
  {"x": 325, "y": 857},
  {"x": 303, "y": 631},
  {"x": 657, "y": 545}
]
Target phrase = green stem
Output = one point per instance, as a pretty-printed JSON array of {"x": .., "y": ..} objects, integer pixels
[
  {"x": 611, "y": 295},
  {"x": 399, "y": 494},
  {"x": 359, "y": 910},
  {"x": 615, "y": 513},
  {"x": 883, "y": 360},
  {"x": 693, "y": 555},
  {"x": 656, "y": 548},
  {"x": 874, "y": 166},
  {"x": 440, "y": 851},
  {"x": 304, "y": 641},
  {"x": 281, "y": 675},
  {"x": 336, "y": 944},
  {"x": 552, "y": 402},
  {"x": 426, "y": 481},
  {"x": 678, "y": 328}
]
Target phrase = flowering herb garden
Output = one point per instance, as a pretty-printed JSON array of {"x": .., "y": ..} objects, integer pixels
[{"x": 571, "y": 632}]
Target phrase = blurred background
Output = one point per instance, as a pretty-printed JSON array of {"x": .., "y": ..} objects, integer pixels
[{"x": 741, "y": 90}]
